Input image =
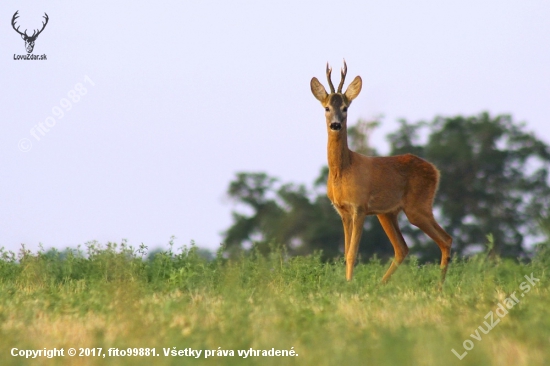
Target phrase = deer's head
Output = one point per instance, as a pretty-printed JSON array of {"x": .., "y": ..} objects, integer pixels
[
  {"x": 29, "y": 40},
  {"x": 336, "y": 104}
]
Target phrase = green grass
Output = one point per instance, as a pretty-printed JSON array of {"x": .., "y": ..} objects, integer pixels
[{"x": 112, "y": 297}]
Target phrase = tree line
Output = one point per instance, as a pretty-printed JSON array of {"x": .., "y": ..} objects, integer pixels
[{"x": 494, "y": 181}]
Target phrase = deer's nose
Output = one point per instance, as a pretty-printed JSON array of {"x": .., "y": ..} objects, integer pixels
[{"x": 335, "y": 126}]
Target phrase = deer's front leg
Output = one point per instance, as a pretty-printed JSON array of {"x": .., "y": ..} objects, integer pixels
[
  {"x": 347, "y": 222},
  {"x": 357, "y": 220}
]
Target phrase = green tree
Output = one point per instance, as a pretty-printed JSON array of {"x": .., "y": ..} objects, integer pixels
[
  {"x": 281, "y": 214},
  {"x": 494, "y": 179}
]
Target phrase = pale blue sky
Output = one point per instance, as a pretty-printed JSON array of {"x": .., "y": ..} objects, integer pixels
[{"x": 188, "y": 93}]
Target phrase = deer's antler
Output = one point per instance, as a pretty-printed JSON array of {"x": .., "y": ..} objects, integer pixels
[
  {"x": 344, "y": 72},
  {"x": 329, "y": 71},
  {"x": 15, "y": 16},
  {"x": 34, "y": 34},
  {"x": 43, "y": 26}
]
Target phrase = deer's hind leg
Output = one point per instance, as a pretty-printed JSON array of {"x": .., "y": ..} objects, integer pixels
[
  {"x": 419, "y": 210},
  {"x": 390, "y": 226},
  {"x": 425, "y": 221}
]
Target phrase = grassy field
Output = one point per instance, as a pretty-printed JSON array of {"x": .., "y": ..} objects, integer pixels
[{"x": 111, "y": 297}]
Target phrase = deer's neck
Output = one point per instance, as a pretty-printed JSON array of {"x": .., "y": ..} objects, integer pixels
[{"x": 339, "y": 156}]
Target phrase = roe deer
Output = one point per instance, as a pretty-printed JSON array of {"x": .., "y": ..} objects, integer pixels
[{"x": 360, "y": 185}]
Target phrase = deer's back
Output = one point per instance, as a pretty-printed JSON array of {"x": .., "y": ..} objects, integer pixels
[{"x": 381, "y": 184}]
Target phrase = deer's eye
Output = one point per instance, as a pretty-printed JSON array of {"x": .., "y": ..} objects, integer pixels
[
  {"x": 345, "y": 109},
  {"x": 327, "y": 109}
]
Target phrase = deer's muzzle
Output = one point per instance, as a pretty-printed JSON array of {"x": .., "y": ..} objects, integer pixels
[{"x": 335, "y": 126}]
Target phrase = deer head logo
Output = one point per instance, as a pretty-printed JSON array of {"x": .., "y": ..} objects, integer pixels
[{"x": 29, "y": 40}]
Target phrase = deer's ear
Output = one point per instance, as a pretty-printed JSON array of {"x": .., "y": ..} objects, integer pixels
[
  {"x": 354, "y": 88},
  {"x": 318, "y": 90},
  {"x": 23, "y": 36}
]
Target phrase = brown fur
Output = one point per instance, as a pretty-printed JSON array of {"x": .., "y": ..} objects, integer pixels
[{"x": 360, "y": 185}]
